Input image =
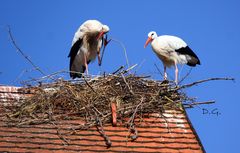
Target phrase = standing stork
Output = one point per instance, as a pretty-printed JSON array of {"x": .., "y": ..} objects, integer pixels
[
  {"x": 172, "y": 51},
  {"x": 86, "y": 45}
]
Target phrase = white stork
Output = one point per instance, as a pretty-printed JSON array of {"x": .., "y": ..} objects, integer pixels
[
  {"x": 86, "y": 45},
  {"x": 172, "y": 51}
]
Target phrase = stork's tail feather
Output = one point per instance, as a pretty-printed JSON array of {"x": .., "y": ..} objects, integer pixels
[
  {"x": 75, "y": 75},
  {"x": 79, "y": 74},
  {"x": 193, "y": 61}
]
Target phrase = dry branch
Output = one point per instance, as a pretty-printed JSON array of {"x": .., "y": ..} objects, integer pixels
[
  {"x": 119, "y": 69},
  {"x": 102, "y": 132},
  {"x": 189, "y": 72},
  {"x": 190, "y": 105},
  {"x": 132, "y": 129},
  {"x": 201, "y": 81},
  {"x": 124, "y": 49},
  {"x": 159, "y": 71},
  {"x": 23, "y": 54}
]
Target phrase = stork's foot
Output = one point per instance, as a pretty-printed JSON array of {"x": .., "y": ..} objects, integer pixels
[
  {"x": 176, "y": 82},
  {"x": 165, "y": 81},
  {"x": 165, "y": 76}
]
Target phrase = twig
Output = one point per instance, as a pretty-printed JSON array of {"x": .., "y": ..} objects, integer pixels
[
  {"x": 170, "y": 100},
  {"x": 20, "y": 75},
  {"x": 33, "y": 122},
  {"x": 129, "y": 68},
  {"x": 124, "y": 49},
  {"x": 139, "y": 66},
  {"x": 51, "y": 75},
  {"x": 189, "y": 72},
  {"x": 199, "y": 103},
  {"x": 97, "y": 111},
  {"x": 119, "y": 69},
  {"x": 102, "y": 132},
  {"x": 60, "y": 134},
  {"x": 135, "y": 111},
  {"x": 54, "y": 74},
  {"x": 134, "y": 131},
  {"x": 129, "y": 88},
  {"x": 88, "y": 84},
  {"x": 142, "y": 77},
  {"x": 132, "y": 128},
  {"x": 62, "y": 137},
  {"x": 158, "y": 69},
  {"x": 23, "y": 54},
  {"x": 166, "y": 121},
  {"x": 201, "y": 81}
]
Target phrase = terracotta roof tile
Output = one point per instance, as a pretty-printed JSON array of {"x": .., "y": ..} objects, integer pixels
[{"x": 169, "y": 133}]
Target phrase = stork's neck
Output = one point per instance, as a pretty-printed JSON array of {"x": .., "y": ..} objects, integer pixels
[{"x": 154, "y": 44}]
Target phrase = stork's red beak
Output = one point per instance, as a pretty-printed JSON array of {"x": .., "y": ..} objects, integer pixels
[
  {"x": 147, "y": 42},
  {"x": 100, "y": 35}
]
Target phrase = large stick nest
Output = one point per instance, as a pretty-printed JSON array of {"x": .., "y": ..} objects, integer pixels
[{"x": 91, "y": 98}]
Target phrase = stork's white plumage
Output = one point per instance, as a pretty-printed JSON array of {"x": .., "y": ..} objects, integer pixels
[
  {"x": 172, "y": 51},
  {"x": 86, "y": 45}
]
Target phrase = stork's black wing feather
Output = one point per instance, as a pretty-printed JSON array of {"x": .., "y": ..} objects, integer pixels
[
  {"x": 73, "y": 52},
  {"x": 188, "y": 51},
  {"x": 75, "y": 48}
]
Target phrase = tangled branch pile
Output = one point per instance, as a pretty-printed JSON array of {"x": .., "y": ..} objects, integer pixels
[{"x": 91, "y": 98}]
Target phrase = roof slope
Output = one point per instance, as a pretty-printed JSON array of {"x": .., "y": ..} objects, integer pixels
[{"x": 170, "y": 132}]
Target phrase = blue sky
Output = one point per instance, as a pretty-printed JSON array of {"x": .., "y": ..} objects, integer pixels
[{"x": 44, "y": 29}]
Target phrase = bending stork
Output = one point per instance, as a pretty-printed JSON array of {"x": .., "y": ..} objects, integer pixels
[{"x": 86, "y": 45}]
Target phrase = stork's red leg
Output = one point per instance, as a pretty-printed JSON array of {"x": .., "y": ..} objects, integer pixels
[
  {"x": 165, "y": 73},
  {"x": 176, "y": 73},
  {"x": 85, "y": 63}
]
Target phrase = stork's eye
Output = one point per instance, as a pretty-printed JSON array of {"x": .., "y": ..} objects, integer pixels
[{"x": 152, "y": 34}]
